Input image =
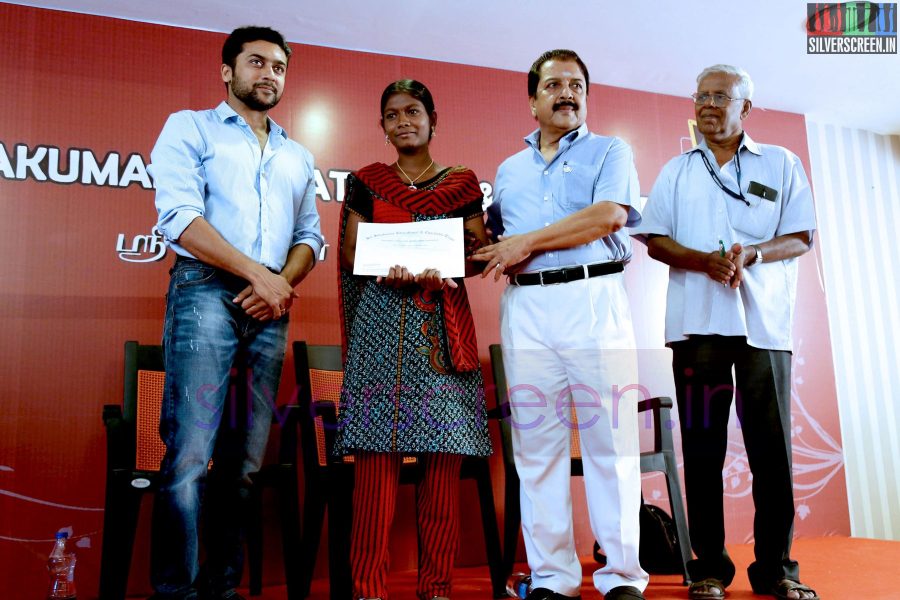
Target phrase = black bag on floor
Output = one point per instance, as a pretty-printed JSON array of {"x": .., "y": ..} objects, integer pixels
[{"x": 659, "y": 553}]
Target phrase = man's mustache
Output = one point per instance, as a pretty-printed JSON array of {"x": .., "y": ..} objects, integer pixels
[{"x": 562, "y": 103}]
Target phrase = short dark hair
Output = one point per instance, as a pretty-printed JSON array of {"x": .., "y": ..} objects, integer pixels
[
  {"x": 414, "y": 88},
  {"x": 234, "y": 44},
  {"x": 534, "y": 75}
]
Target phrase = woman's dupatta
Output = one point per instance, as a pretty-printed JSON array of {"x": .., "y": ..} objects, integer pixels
[{"x": 453, "y": 190}]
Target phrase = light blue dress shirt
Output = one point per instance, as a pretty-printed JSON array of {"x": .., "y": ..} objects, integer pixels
[
  {"x": 263, "y": 202},
  {"x": 530, "y": 193},
  {"x": 687, "y": 206}
]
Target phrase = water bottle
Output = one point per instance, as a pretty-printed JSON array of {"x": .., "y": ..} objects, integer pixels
[
  {"x": 518, "y": 585},
  {"x": 61, "y": 566}
]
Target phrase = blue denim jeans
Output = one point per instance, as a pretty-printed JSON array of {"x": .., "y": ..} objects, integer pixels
[{"x": 204, "y": 333}]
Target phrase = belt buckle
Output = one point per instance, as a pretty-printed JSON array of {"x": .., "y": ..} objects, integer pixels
[
  {"x": 541, "y": 277},
  {"x": 560, "y": 272}
]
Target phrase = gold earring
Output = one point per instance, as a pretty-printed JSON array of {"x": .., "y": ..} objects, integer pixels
[
  {"x": 386, "y": 141},
  {"x": 432, "y": 132}
]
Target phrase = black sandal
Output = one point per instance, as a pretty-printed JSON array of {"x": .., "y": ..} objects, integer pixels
[
  {"x": 707, "y": 589},
  {"x": 782, "y": 588}
]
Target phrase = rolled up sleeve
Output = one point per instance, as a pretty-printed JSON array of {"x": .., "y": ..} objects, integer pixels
[
  {"x": 307, "y": 228},
  {"x": 177, "y": 171}
]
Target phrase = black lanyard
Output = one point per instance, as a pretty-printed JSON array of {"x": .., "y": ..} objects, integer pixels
[{"x": 739, "y": 195}]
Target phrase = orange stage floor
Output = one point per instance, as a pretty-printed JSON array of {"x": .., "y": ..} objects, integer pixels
[{"x": 838, "y": 568}]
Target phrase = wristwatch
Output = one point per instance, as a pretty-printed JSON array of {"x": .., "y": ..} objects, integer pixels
[{"x": 756, "y": 259}]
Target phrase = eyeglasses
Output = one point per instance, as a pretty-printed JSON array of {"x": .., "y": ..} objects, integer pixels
[{"x": 718, "y": 100}]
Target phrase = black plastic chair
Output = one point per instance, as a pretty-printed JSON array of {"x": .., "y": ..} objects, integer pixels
[
  {"x": 133, "y": 454},
  {"x": 329, "y": 479},
  {"x": 661, "y": 458}
]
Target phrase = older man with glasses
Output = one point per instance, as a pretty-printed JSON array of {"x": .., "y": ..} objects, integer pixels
[{"x": 730, "y": 217}]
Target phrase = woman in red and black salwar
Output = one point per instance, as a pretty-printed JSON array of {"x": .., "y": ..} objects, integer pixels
[{"x": 412, "y": 377}]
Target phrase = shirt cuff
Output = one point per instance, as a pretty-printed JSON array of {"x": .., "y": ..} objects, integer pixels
[
  {"x": 643, "y": 232},
  {"x": 634, "y": 217},
  {"x": 175, "y": 225},
  {"x": 313, "y": 242}
]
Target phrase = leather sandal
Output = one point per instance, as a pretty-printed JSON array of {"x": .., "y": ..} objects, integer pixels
[
  {"x": 782, "y": 588},
  {"x": 706, "y": 589}
]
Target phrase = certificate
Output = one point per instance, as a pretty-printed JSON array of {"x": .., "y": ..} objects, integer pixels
[{"x": 419, "y": 245}]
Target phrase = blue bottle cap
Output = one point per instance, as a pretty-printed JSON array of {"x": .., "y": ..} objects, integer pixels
[{"x": 62, "y": 535}]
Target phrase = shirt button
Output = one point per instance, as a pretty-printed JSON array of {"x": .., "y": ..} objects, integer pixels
[
  {"x": 547, "y": 197},
  {"x": 546, "y": 224},
  {"x": 546, "y": 172}
]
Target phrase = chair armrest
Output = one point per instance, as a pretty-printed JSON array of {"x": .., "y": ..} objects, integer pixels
[
  {"x": 662, "y": 422},
  {"x": 326, "y": 410},
  {"x": 654, "y": 404}
]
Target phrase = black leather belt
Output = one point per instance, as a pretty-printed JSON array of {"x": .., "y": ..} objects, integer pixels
[{"x": 566, "y": 275}]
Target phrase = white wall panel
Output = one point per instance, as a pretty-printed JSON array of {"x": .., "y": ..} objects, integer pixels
[{"x": 855, "y": 176}]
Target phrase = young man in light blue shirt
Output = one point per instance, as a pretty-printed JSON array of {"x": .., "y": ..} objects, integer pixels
[{"x": 236, "y": 202}]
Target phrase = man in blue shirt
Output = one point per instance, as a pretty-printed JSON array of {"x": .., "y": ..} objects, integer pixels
[
  {"x": 236, "y": 202},
  {"x": 560, "y": 206}
]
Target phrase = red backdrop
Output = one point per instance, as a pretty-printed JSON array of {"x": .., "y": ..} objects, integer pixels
[{"x": 82, "y": 86}]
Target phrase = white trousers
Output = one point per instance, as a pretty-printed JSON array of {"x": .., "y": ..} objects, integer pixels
[{"x": 572, "y": 346}]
